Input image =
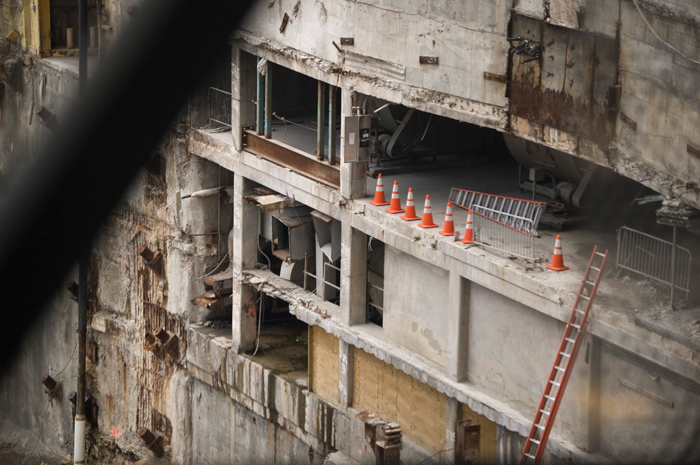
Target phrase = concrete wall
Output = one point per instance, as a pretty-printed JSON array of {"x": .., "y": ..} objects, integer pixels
[
  {"x": 511, "y": 349},
  {"x": 415, "y": 303},
  {"x": 31, "y": 418},
  {"x": 642, "y": 403}
]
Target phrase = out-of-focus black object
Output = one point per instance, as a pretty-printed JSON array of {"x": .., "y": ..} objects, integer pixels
[{"x": 54, "y": 206}]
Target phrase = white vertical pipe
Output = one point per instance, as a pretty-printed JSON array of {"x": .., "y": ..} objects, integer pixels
[{"x": 79, "y": 444}]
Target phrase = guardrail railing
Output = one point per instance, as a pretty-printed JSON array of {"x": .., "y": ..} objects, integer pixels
[
  {"x": 494, "y": 229},
  {"x": 219, "y": 107}
]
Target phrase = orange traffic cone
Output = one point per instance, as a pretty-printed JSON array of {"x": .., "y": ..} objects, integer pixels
[
  {"x": 469, "y": 232},
  {"x": 410, "y": 207},
  {"x": 379, "y": 199},
  {"x": 427, "y": 215},
  {"x": 557, "y": 257},
  {"x": 395, "y": 206},
  {"x": 449, "y": 228}
]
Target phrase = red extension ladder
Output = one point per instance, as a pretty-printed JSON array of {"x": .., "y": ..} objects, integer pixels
[{"x": 564, "y": 361}]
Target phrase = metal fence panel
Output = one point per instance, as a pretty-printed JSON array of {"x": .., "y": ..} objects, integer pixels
[
  {"x": 651, "y": 257},
  {"x": 520, "y": 214},
  {"x": 219, "y": 107},
  {"x": 495, "y": 229}
]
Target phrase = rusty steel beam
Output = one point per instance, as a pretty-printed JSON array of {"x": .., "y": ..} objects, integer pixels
[{"x": 292, "y": 158}]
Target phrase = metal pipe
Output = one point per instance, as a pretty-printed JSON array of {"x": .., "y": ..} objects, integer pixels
[
  {"x": 83, "y": 261},
  {"x": 79, "y": 441},
  {"x": 673, "y": 270},
  {"x": 82, "y": 44}
]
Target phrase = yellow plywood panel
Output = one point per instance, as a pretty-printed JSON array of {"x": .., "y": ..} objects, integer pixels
[
  {"x": 45, "y": 25},
  {"x": 394, "y": 396},
  {"x": 324, "y": 364},
  {"x": 488, "y": 445}
]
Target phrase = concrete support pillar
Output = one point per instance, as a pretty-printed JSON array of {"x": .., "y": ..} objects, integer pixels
[
  {"x": 268, "y": 100},
  {"x": 345, "y": 374},
  {"x": 245, "y": 256},
  {"x": 458, "y": 334},
  {"x": 353, "y": 275},
  {"x": 593, "y": 434},
  {"x": 321, "y": 104},
  {"x": 243, "y": 96},
  {"x": 353, "y": 176},
  {"x": 453, "y": 413}
]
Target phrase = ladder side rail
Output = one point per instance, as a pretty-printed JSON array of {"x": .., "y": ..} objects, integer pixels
[
  {"x": 553, "y": 372},
  {"x": 574, "y": 353}
]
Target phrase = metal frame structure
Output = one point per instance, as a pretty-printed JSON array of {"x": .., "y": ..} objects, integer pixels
[
  {"x": 495, "y": 229},
  {"x": 654, "y": 258},
  {"x": 219, "y": 102}
]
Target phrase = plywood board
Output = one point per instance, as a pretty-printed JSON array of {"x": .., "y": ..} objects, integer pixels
[
  {"x": 394, "y": 396},
  {"x": 324, "y": 364},
  {"x": 488, "y": 446}
]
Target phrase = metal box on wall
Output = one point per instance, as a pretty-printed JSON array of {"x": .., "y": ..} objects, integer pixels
[{"x": 357, "y": 138}]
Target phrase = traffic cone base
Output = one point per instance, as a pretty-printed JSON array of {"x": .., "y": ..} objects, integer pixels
[
  {"x": 395, "y": 206},
  {"x": 410, "y": 208},
  {"x": 379, "y": 199},
  {"x": 426, "y": 226},
  {"x": 557, "y": 257}
]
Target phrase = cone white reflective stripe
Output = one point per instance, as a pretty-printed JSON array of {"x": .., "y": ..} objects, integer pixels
[
  {"x": 470, "y": 224},
  {"x": 395, "y": 191},
  {"x": 557, "y": 247},
  {"x": 426, "y": 208},
  {"x": 380, "y": 184},
  {"x": 448, "y": 212},
  {"x": 409, "y": 199}
]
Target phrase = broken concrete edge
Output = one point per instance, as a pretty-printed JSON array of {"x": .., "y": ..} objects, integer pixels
[
  {"x": 212, "y": 362},
  {"x": 412, "y": 364},
  {"x": 452, "y": 106},
  {"x": 483, "y": 268}
]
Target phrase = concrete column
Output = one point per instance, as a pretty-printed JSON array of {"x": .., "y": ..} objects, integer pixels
[
  {"x": 353, "y": 275},
  {"x": 353, "y": 177},
  {"x": 243, "y": 76},
  {"x": 593, "y": 434},
  {"x": 458, "y": 333},
  {"x": 453, "y": 412},
  {"x": 245, "y": 256},
  {"x": 345, "y": 374}
]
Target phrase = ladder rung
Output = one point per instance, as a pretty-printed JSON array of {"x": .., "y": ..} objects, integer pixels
[
  {"x": 535, "y": 441},
  {"x": 595, "y": 268},
  {"x": 600, "y": 253},
  {"x": 539, "y": 427},
  {"x": 555, "y": 383},
  {"x": 580, "y": 311},
  {"x": 564, "y": 354},
  {"x": 530, "y": 456},
  {"x": 559, "y": 369},
  {"x": 592, "y": 283},
  {"x": 549, "y": 397},
  {"x": 545, "y": 412},
  {"x": 575, "y": 326},
  {"x": 585, "y": 297},
  {"x": 568, "y": 339}
]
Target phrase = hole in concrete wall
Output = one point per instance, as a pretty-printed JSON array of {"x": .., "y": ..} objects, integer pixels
[
  {"x": 375, "y": 281},
  {"x": 404, "y": 139},
  {"x": 299, "y": 244},
  {"x": 63, "y": 15}
]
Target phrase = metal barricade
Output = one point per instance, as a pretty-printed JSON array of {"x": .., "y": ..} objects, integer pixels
[
  {"x": 219, "y": 107},
  {"x": 508, "y": 210},
  {"x": 652, "y": 257},
  {"x": 500, "y": 235}
]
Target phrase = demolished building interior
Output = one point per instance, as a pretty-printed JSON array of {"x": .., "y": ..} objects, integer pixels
[{"x": 343, "y": 231}]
